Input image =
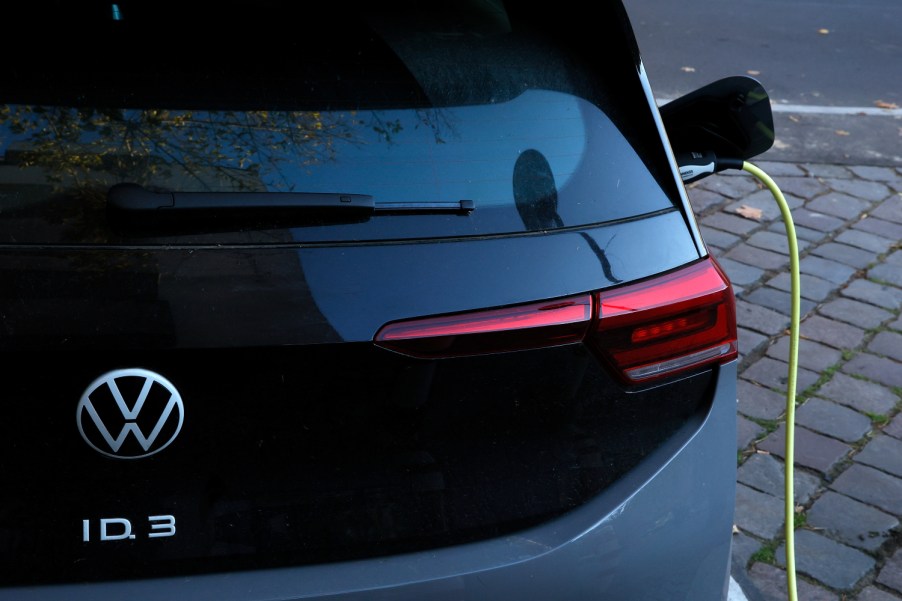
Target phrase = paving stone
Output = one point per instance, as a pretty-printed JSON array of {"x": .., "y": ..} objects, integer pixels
[
  {"x": 828, "y": 171},
  {"x": 888, "y": 344},
  {"x": 740, "y": 273},
  {"x": 828, "y": 561},
  {"x": 887, "y": 272},
  {"x": 778, "y": 300},
  {"x": 771, "y": 584},
  {"x": 758, "y": 513},
  {"x": 762, "y": 200},
  {"x": 810, "y": 287},
  {"x": 845, "y": 254},
  {"x": 817, "y": 221},
  {"x": 851, "y": 522},
  {"x": 731, "y": 187},
  {"x": 702, "y": 200},
  {"x": 812, "y": 355},
  {"x": 894, "y": 428},
  {"x": 765, "y": 473},
  {"x": 718, "y": 238},
  {"x": 759, "y": 402},
  {"x": 775, "y": 374},
  {"x": 888, "y": 297},
  {"x": 863, "y": 189},
  {"x": 879, "y": 369},
  {"x": 802, "y": 187},
  {"x": 831, "y": 332},
  {"x": 812, "y": 450},
  {"x": 861, "y": 395},
  {"x": 747, "y": 431},
  {"x": 840, "y": 205},
  {"x": 855, "y": 312},
  {"x": 760, "y": 319},
  {"x": 865, "y": 240},
  {"x": 880, "y": 227},
  {"x": 750, "y": 255},
  {"x": 743, "y": 547},
  {"x": 884, "y": 453},
  {"x": 826, "y": 269},
  {"x": 802, "y": 233},
  {"x": 775, "y": 241},
  {"x": 897, "y": 325},
  {"x": 871, "y": 486},
  {"x": 833, "y": 419},
  {"x": 781, "y": 169},
  {"x": 891, "y": 574},
  {"x": 895, "y": 257},
  {"x": 877, "y": 174},
  {"x": 750, "y": 341},
  {"x": 872, "y": 593},
  {"x": 890, "y": 209},
  {"x": 730, "y": 223}
]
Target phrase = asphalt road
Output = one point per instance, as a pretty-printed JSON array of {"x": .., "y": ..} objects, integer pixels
[{"x": 833, "y": 68}]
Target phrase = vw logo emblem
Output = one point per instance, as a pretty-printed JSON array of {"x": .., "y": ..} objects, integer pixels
[{"x": 142, "y": 407}]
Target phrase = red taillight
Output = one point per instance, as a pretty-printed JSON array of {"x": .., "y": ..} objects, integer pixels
[
  {"x": 535, "y": 325},
  {"x": 653, "y": 329},
  {"x": 668, "y": 324}
]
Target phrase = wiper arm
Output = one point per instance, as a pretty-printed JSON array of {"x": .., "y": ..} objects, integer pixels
[{"x": 135, "y": 200}]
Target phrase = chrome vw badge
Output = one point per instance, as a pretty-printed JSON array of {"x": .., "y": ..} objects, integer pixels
[{"x": 134, "y": 402}]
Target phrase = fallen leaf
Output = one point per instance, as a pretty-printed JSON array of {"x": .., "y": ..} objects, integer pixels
[
  {"x": 780, "y": 145},
  {"x": 687, "y": 69},
  {"x": 823, "y": 31},
  {"x": 842, "y": 132},
  {"x": 753, "y": 72},
  {"x": 885, "y": 105},
  {"x": 750, "y": 212},
  {"x": 794, "y": 119}
]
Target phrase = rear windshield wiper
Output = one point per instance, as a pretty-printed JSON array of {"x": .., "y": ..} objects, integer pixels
[{"x": 135, "y": 200}]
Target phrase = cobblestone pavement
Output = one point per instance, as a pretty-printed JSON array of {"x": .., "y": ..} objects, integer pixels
[{"x": 848, "y": 450}]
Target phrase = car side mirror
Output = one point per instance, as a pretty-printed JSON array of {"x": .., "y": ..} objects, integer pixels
[{"x": 730, "y": 117}]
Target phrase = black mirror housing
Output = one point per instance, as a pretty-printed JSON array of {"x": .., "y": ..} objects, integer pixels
[{"x": 730, "y": 117}]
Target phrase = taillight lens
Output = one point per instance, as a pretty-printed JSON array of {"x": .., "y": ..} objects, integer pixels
[
  {"x": 535, "y": 325},
  {"x": 668, "y": 324},
  {"x": 654, "y": 329}
]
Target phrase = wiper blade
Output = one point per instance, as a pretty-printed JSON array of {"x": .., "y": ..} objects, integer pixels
[
  {"x": 134, "y": 199},
  {"x": 457, "y": 206}
]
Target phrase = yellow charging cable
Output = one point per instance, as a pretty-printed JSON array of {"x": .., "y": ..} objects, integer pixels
[{"x": 789, "y": 510}]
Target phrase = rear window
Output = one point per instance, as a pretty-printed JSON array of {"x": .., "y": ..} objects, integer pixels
[{"x": 411, "y": 108}]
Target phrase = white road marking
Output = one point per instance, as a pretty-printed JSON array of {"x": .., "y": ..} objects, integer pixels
[{"x": 806, "y": 109}]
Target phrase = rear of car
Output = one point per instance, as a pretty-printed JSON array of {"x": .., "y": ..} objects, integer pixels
[{"x": 382, "y": 302}]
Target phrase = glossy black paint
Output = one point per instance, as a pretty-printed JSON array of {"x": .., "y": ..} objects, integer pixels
[
  {"x": 244, "y": 296},
  {"x": 278, "y": 465}
]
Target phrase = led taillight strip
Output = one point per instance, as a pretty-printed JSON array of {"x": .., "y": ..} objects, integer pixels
[
  {"x": 535, "y": 325},
  {"x": 656, "y": 328},
  {"x": 668, "y": 324}
]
